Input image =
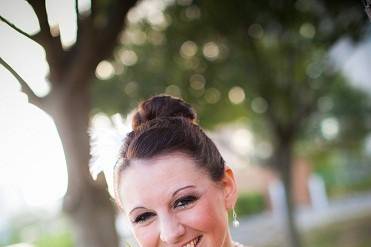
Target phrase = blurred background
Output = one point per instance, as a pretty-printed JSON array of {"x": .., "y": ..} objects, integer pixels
[{"x": 282, "y": 87}]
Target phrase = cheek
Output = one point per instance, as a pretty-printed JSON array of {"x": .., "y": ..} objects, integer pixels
[
  {"x": 146, "y": 236},
  {"x": 206, "y": 215}
]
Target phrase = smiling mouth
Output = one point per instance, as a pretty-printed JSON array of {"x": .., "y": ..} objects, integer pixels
[{"x": 193, "y": 243}]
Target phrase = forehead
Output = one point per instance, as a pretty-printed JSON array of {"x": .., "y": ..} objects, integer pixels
[{"x": 149, "y": 181}]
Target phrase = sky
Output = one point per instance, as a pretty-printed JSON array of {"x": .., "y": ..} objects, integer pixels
[
  {"x": 354, "y": 61},
  {"x": 32, "y": 165}
]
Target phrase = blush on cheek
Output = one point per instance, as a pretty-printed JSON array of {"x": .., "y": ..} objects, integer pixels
[
  {"x": 205, "y": 216},
  {"x": 147, "y": 236},
  {"x": 208, "y": 219}
]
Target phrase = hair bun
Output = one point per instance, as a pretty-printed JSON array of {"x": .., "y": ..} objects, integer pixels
[{"x": 162, "y": 106}]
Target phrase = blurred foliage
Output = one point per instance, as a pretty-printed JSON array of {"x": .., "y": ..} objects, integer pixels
[
  {"x": 38, "y": 228},
  {"x": 264, "y": 62},
  {"x": 344, "y": 172},
  {"x": 13, "y": 236},
  {"x": 249, "y": 204},
  {"x": 350, "y": 110},
  {"x": 60, "y": 239}
]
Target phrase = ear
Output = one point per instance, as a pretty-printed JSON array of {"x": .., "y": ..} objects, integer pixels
[{"x": 230, "y": 188}]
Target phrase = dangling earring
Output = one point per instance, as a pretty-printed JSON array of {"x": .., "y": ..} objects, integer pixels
[{"x": 235, "y": 222}]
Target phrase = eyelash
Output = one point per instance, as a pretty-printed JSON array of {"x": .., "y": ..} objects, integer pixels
[
  {"x": 185, "y": 201},
  {"x": 180, "y": 203},
  {"x": 143, "y": 217}
]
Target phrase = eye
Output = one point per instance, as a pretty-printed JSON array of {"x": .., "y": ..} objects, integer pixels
[
  {"x": 185, "y": 201},
  {"x": 143, "y": 217}
]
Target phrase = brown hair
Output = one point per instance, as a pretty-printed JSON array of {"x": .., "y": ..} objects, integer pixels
[{"x": 163, "y": 125}]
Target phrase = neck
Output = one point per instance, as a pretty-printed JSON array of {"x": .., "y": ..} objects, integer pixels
[{"x": 228, "y": 240}]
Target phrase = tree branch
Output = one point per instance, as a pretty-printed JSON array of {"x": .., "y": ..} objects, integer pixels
[
  {"x": 32, "y": 97},
  {"x": 93, "y": 8},
  {"x": 40, "y": 10},
  {"x": 77, "y": 17},
  {"x": 16, "y": 28},
  {"x": 107, "y": 36},
  {"x": 52, "y": 44},
  {"x": 97, "y": 42}
]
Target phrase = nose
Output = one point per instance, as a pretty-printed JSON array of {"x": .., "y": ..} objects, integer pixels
[{"x": 171, "y": 230}]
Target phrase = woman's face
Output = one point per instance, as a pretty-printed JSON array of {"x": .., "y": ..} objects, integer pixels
[{"x": 172, "y": 202}]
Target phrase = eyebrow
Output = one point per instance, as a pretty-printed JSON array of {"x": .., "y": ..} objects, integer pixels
[
  {"x": 174, "y": 194},
  {"x": 182, "y": 188}
]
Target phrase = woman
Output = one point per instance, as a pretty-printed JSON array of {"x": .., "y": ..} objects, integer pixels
[{"x": 171, "y": 180}]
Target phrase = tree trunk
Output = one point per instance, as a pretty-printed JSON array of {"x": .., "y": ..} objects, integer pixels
[
  {"x": 86, "y": 202},
  {"x": 284, "y": 163},
  {"x": 68, "y": 103}
]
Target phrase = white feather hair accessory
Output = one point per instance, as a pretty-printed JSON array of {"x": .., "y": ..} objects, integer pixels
[{"x": 106, "y": 138}]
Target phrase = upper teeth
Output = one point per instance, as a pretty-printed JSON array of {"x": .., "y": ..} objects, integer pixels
[{"x": 192, "y": 243}]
